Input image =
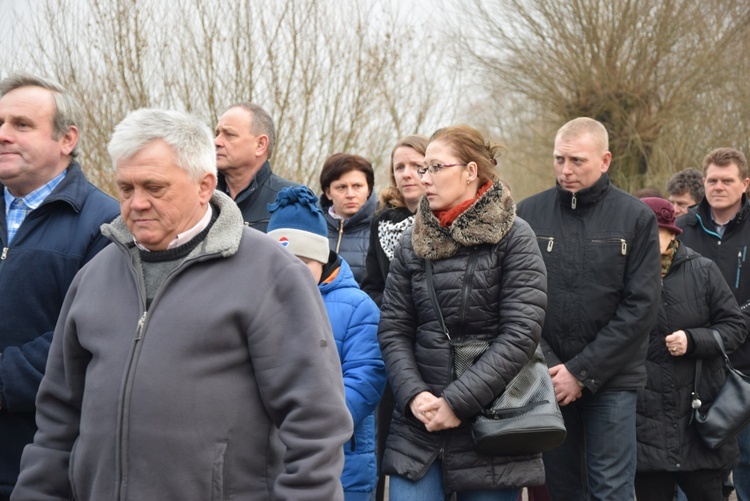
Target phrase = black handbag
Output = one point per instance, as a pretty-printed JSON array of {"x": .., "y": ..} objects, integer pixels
[
  {"x": 525, "y": 419},
  {"x": 730, "y": 411}
]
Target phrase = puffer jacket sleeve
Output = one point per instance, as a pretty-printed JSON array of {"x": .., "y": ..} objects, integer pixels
[
  {"x": 522, "y": 304},
  {"x": 726, "y": 317},
  {"x": 397, "y": 329},
  {"x": 361, "y": 362}
]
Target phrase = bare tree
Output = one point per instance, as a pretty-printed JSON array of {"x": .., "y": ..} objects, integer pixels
[
  {"x": 332, "y": 78},
  {"x": 654, "y": 72}
]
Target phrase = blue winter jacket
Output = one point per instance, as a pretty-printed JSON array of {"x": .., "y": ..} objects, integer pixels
[
  {"x": 52, "y": 244},
  {"x": 354, "y": 318}
]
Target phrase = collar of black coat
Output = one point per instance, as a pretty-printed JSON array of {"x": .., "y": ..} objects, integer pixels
[
  {"x": 486, "y": 221},
  {"x": 703, "y": 209},
  {"x": 586, "y": 196},
  {"x": 260, "y": 177}
]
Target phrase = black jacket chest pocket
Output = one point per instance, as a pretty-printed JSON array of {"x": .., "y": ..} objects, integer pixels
[{"x": 604, "y": 261}]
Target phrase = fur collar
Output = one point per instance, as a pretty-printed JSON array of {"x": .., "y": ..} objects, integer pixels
[{"x": 487, "y": 221}]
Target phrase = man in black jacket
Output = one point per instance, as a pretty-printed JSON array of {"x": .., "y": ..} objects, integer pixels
[
  {"x": 245, "y": 138},
  {"x": 718, "y": 229},
  {"x": 601, "y": 249}
]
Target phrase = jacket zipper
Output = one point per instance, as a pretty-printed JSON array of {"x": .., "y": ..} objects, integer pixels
[
  {"x": 341, "y": 236},
  {"x": 573, "y": 201},
  {"x": 466, "y": 288},
  {"x": 622, "y": 241},
  {"x": 739, "y": 268},
  {"x": 550, "y": 242},
  {"x": 124, "y": 400}
]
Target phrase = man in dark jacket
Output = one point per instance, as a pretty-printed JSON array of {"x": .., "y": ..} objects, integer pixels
[
  {"x": 601, "y": 249},
  {"x": 718, "y": 229},
  {"x": 49, "y": 230},
  {"x": 245, "y": 138}
]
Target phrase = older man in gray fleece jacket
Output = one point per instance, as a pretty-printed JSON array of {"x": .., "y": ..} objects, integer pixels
[{"x": 193, "y": 359}]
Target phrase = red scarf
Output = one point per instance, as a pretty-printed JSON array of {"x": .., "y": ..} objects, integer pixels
[{"x": 446, "y": 217}]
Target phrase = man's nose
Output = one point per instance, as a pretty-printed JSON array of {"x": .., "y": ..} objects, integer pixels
[{"x": 5, "y": 136}]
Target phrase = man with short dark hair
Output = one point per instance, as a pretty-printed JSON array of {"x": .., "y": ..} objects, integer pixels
[
  {"x": 49, "y": 229},
  {"x": 685, "y": 190},
  {"x": 718, "y": 229},
  {"x": 601, "y": 249},
  {"x": 245, "y": 138},
  {"x": 193, "y": 358}
]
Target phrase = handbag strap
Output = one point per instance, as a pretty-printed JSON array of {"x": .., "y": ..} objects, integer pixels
[
  {"x": 699, "y": 369},
  {"x": 433, "y": 296}
]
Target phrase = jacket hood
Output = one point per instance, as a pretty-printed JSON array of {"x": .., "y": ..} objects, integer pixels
[
  {"x": 486, "y": 221},
  {"x": 223, "y": 238}
]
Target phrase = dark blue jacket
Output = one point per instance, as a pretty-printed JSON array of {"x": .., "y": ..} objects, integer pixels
[
  {"x": 52, "y": 244},
  {"x": 354, "y": 318},
  {"x": 254, "y": 199},
  {"x": 351, "y": 238}
]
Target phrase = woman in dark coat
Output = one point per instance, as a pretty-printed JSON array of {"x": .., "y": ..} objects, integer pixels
[
  {"x": 396, "y": 207},
  {"x": 695, "y": 301},
  {"x": 490, "y": 284}
]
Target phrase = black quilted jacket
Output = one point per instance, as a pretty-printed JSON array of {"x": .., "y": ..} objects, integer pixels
[
  {"x": 491, "y": 283},
  {"x": 694, "y": 298}
]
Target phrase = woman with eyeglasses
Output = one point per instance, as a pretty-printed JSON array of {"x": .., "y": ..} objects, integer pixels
[
  {"x": 490, "y": 284},
  {"x": 396, "y": 207}
]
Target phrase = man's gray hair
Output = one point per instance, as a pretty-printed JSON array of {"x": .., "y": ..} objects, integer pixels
[
  {"x": 67, "y": 110},
  {"x": 190, "y": 139},
  {"x": 261, "y": 122}
]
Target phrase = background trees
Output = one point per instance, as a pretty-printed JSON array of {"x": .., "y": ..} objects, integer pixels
[
  {"x": 669, "y": 78},
  {"x": 336, "y": 76},
  {"x": 665, "y": 76}
]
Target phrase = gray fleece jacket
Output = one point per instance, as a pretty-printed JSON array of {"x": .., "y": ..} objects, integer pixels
[{"x": 229, "y": 387}]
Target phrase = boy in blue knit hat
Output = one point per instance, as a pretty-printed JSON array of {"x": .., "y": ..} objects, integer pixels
[{"x": 298, "y": 224}]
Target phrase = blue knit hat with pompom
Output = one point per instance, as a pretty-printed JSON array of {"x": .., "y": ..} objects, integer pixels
[{"x": 298, "y": 224}]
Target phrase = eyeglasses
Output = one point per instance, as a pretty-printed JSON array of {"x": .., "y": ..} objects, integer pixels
[{"x": 435, "y": 168}]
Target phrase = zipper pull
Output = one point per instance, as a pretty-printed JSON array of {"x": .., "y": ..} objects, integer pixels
[
  {"x": 624, "y": 246},
  {"x": 736, "y": 281},
  {"x": 139, "y": 329},
  {"x": 573, "y": 201},
  {"x": 5, "y": 254},
  {"x": 550, "y": 244}
]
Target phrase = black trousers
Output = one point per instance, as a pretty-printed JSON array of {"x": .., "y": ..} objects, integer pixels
[{"x": 700, "y": 485}]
